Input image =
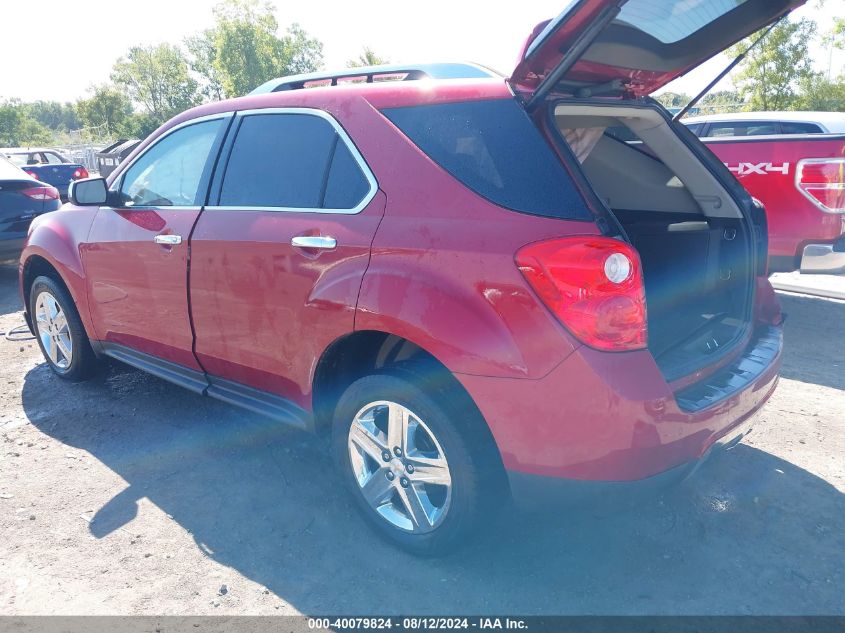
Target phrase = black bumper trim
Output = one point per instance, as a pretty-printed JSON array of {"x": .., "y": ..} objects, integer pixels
[{"x": 756, "y": 359}]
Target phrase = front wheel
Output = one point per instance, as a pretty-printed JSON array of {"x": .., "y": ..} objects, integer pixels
[
  {"x": 414, "y": 463},
  {"x": 59, "y": 330}
]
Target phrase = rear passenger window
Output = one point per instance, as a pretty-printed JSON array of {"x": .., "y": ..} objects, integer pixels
[
  {"x": 799, "y": 128},
  {"x": 743, "y": 129},
  {"x": 291, "y": 161},
  {"x": 346, "y": 184}
]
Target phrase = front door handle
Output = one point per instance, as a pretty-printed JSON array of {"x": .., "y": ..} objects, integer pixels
[
  {"x": 168, "y": 240},
  {"x": 323, "y": 242}
]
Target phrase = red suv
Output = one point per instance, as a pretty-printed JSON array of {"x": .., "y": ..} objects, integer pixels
[{"x": 473, "y": 284}]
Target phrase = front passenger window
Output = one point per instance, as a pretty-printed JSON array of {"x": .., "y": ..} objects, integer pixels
[{"x": 168, "y": 174}]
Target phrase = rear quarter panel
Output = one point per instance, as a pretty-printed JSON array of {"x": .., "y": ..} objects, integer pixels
[
  {"x": 442, "y": 271},
  {"x": 766, "y": 167}
]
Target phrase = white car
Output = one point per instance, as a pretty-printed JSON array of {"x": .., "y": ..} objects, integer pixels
[{"x": 766, "y": 124}]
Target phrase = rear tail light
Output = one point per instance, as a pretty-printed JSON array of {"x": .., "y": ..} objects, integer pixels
[
  {"x": 80, "y": 173},
  {"x": 31, "y": 174},
  {"x": 822, "y": 181},
  {"x": 41, "y": 193},
  {"x": 593, "y": 285}
]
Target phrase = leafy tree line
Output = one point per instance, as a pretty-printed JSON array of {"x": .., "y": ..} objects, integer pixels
[
  {"x": 777, "y": 73},
  {"x": 150, "y": 84}
]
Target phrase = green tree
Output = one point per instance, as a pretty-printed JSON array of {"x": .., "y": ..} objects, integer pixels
[
  {"x": 18, "y": 128},
  {"x": 54, "y": 115},
  {"x": 303, "y": 54},
  {"x": 769, "y": 76},
  {"x": 720, "y": 102},
  {"x": 158, "y": 78},
  {"x": 821, "y": 94},
  {"x": 836, "y": 36},
  {"x": 366, "y": 58},
  {"x": 202, "y": 51},
  {"x": 673, "y": 100},
  {"x": 107, "y": 106},
  {"x": 244, "y": 49}
]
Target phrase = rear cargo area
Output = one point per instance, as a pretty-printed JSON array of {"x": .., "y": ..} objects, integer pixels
[{"x": 692, "y": 240}]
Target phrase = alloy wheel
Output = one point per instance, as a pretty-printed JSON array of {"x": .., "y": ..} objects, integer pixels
[
  {"x": 53, "y": 330},
  {"x": 400, "y": 467}
]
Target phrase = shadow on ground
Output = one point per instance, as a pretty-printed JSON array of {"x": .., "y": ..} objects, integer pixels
[{"x": 750, "y": 533}]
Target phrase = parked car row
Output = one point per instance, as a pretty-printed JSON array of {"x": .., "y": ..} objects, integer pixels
[
  {"x": 22, "y": 198},
  {"x": 46, "y": 165}
]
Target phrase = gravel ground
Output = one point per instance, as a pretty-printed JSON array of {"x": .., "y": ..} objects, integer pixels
[{"x": 126, "y": 495}]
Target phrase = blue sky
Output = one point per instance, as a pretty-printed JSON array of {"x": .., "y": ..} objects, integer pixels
[{"x": 72, "y": 45}]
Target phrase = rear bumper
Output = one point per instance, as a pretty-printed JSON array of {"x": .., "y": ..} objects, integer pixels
[
  {"x": 612, "y": 418},
  {"x": 824, "y": 258},
  {"x": 536, "y": 492}
]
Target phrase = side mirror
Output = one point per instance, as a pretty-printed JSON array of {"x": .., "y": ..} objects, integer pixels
[{"x": 88, "y": 192}]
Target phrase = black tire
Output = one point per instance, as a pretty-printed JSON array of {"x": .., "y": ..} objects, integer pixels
[
  {"x": 478, "y": 490},
  {"x": 84, "y": 363}
]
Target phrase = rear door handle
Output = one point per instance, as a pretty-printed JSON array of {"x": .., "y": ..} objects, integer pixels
[
  {"x": 168, "y": 240},
  {"x": 314, "y": 241}
]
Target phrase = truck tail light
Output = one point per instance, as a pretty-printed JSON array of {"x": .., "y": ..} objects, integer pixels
[
  {"x": 80, "y": 173},
  {"x": 822, "y": 181},
  {"x": 41, "y": 193},
  {"x": 593, "y": 285}
]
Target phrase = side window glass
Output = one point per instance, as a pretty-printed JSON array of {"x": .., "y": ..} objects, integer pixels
[
  {"x": 291, "y": 161},
  {"x": 346, "y": 186},
  {"x": 168, "y": 174},
  {"x": 696, "y": 128},
  {"x": 762, "y": 129},
  {"x": 726, "y": 129},
  {"x": 53, "y": 158},
  {"x": 799, "y": 128}
]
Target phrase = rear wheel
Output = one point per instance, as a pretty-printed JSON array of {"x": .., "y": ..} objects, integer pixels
[
  {"x": 410, "y": 459},
  {"x": 59, "y": 331}
]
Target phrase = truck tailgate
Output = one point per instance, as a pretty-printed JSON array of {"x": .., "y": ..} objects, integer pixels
[{"x": 767, "y": 168}]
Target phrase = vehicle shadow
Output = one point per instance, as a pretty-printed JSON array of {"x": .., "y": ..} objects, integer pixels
[
  {"x": 750, "y": 533},
  {"x": 814, "y": 340}
]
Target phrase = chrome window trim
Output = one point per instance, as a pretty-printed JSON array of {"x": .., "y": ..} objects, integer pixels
[
  {"x": 117, "y": 183},
  {"x": 342, "y": 136}
]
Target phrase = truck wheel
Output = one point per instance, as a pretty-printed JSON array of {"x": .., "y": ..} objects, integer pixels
[
  {"x": 417, "y": 474},
  {"x": 59, "y": 331}
]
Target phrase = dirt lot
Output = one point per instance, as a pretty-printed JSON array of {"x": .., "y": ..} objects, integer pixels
[{"x": 128, "y": 496}]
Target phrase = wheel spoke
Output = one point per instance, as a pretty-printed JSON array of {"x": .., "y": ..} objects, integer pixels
[
  {"x": 414, "y": 507},
  {"x": 397, "y": 426},
  {"x": 430, "y": 470},
  {"x": 366, "y": 441},
  {"x": 52, "y": 307},
  {"x": 52, "y": 350},
  {"x": 64, "y": 346},
  {"x": 60, "y": 322},
  {"x": 378, "y": 488}
]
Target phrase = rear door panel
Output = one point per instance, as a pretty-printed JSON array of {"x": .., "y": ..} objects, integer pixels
[{"x": 263, "y": 309}]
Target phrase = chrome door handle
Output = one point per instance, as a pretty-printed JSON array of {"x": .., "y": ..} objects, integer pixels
[
  {"x": 168, "y": 240},
  {"x": 314, "y": 241}
]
